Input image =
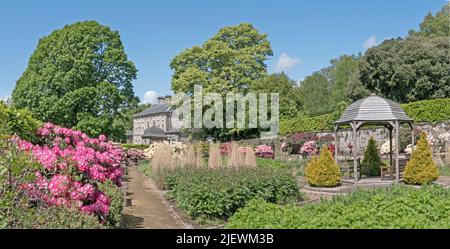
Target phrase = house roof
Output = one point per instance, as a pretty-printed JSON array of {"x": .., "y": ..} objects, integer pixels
[
  {"x": 155, "y": 109},
  {"x": 372, "y": 109},
  {"x": 153, "y": 132}
]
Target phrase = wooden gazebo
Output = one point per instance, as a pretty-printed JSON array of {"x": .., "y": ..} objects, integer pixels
[{"x": 374, "y": 110}]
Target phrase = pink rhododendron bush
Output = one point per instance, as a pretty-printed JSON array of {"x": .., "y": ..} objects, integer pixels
[
  {"x": 73, "y": 167},
  {"x": 264, "y": 151}
]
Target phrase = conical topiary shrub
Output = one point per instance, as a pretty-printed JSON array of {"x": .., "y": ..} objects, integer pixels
[
  {"x": 323, "y": 171},
  {"x": 421, "y": 169},
  {"x": 372, "y": 158}
]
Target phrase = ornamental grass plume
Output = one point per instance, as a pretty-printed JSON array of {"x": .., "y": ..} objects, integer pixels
[
  {"x": 215, "y": 158},
  {"x": 189, "y": 158},
  {"x": 233, "y": 156},
  {"x": 162, "y": 157},
  {"x": 421, "y": 169},
  {"x": 199, "y": 162},
  {"x": 323, "y": 172},
  {"x": 250, "y": 157}
]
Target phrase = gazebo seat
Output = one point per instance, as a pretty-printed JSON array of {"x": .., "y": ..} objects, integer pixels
[{"x": 390, "y": 171}]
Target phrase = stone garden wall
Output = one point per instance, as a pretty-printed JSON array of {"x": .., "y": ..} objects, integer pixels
[{"x": 438, "y": 135}]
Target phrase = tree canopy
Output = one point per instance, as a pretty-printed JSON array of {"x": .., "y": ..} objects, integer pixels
[
  {"x": 79, "y": 76},
  {"x": 228, "y": 62}
]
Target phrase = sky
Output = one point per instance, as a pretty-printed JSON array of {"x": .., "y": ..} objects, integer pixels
[{"x": 305, "y": 35}]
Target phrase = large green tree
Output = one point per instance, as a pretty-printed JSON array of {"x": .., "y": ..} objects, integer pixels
[
  {"x": 411, "y": 69},
  {"x": 79, "y": 76},
  {"x": 228, "y": 62},
  {"x": 279, "y": 83},
  {"x": 231, "y": 61},
  {"x": 314, "y": 94},
  {"x": 435, "y": 25}
]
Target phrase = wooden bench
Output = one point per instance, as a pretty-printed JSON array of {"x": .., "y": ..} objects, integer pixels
[{"x": 388, "y": 171}]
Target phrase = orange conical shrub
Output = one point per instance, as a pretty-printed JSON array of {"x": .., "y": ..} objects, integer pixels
[
  {"x": 421, "y": 169},
  {"x": 323, "y": 171}
]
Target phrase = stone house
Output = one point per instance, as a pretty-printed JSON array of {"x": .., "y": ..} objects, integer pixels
[{"x": 155, "y": 124}]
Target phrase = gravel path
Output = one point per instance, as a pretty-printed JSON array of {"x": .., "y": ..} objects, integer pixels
[{"x": 146, "y": 206}]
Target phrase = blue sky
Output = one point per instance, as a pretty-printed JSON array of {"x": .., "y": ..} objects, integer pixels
[{"x": 304, "y": 35}]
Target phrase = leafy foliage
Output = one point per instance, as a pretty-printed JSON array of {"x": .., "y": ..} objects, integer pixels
[
  {"x": 323, "y": 171},
  {"x": 406, "y": 70},
  {"x": 116, "y": 196},
  {"x": 421, "y": 169},
  {"x": 18, "y": 122},
  {"x": 230, "y": 61},
  {"x": 307, "y": 124},
  {"x": 397, "y": 207},
  {"x": 279, "y": 83},
  {"x": 54, "y": 217},
  {"x": 425, "y": 110},
  {"x": 371, "y": 158},
  {"x": 79, "y": 76},
  {"x": 218, "y": 193}
]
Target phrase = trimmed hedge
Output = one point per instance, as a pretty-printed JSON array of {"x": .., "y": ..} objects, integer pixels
[
  {"x": 398, "y": 207},
  {"x": 428, "y": 110},
  {"x": 135, "y": 146},
  {"x": 217, "y": 193},
  {"x": 305, "y": 124},
  {"x": 434, "y": 110}
]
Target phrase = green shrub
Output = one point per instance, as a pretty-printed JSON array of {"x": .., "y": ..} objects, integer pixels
[
  {"x": 217, "y": 193},
  {"x": 18, "y": 121},
  {"x": 53, "y": 218},
  {"x": 271, "y": 163},
  {"x": 135, "y": 146},
  {"x": 372, "y": 159},
  {"x": 398, "y": 207},
  {"x": 116, "y": 197},
  {"x": 323, "y": 171},
  {"x": 428, "y": 110},
  {"x": 421, "y": 169}
]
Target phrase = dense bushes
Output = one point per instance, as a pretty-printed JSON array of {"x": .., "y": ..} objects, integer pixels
[
  {"x": 398, "y": 207},
  {"x": 19, "y": 122},
  {"x": 428, "y": 110},
  {"x": 54, "y": 217},
  {"x": 323, "y": 171},
  {"x": 421, "y": 169},
  {"x": 217, "y": 193}
]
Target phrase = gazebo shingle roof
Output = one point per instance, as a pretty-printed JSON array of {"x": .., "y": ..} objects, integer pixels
[{"x": 373, "y": 109}]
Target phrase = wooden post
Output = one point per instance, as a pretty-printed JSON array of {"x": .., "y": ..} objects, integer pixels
[
  {"x": 355, "y": 164},
  {"x": 391, "y": 165},
  {"x": 397, "y": 168},
  {"x": 413, "y": 136},
  {"x": 336, "y": 143}
]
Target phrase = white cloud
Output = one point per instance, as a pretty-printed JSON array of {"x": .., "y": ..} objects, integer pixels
[
  {"x": 5, "y": 98},
  {"x": 370, "y": 42},
  {"x": 150, "y": 97},
  {"x": 285, "y": 63}
]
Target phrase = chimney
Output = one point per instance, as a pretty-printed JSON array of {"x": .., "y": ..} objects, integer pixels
[
  {"x": 168, "y": 99},
  {"x": 161, "y": 100}
]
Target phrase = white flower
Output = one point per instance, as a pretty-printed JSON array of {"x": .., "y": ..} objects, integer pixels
[
  {"x": 385, "y": 147},
  {"x": 409, "y": 149}
]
